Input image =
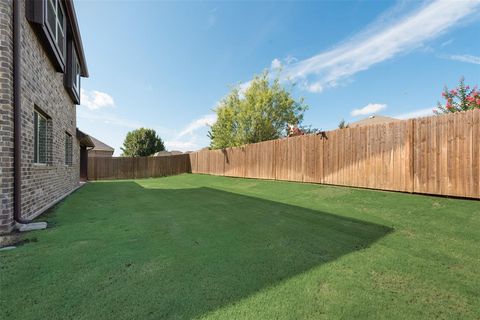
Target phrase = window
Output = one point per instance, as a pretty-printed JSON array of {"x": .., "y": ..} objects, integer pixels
[
  {"x": 41, "y": 138},
  {"x": 68, "y": 149},
  {"x": 75, "y": 71},
  {"x": 72, "y": 76},
  {"x": 50, "y": 22},
  {"x": 59, "y": 37},
  {"x": 55, "y": 20}
]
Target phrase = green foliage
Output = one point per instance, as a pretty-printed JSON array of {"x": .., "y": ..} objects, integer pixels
[
  {"x": 343, "y": 124},
  {"x": 310, "y": 130},
  {"x": 460, "y": 99},
  {"x": 142, "y": 142},
  {"x": 261, "y": 113}
]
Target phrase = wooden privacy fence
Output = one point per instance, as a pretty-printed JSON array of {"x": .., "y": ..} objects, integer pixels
[
  {"x": 139, "y": 167},
  {"x": 434, "y": 155}
]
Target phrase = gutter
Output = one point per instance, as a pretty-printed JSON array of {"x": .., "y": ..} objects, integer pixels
[{"x": 20, "y": 224}]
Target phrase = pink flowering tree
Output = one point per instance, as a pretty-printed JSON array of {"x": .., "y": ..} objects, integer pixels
[{"x": 460, "y": 99}]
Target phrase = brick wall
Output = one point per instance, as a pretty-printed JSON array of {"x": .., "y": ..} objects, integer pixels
[
  {"x": 42, "y": 87},
  {"x": 6, "y": 116}
]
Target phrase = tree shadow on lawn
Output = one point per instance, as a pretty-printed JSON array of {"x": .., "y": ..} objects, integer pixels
[{"x": 182, "y": 253}]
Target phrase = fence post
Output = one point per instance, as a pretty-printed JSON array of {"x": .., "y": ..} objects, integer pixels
[{"x": 411, "y": 154}]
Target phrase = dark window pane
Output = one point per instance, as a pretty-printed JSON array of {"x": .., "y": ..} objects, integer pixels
[
  {"x": 68, "y": 149},
  {"x": 35, "y": 126},
  {"x": 60, "y": 43},
  {"x": 42, "y": 140},
  {"x": 60, "y": 30},
  {"x": 51, "y": 17},
  {"x": 76, "y": 71},
  {"x": 77, "y": 80},
  {"x": 60, "y": 18}
]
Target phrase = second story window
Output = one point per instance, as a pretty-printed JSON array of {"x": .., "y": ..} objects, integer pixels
[
  {"x": 55, "y": 18},
  {"x": 72, "y": 74},
  {"x": 55, "y": 24},
  {"x": 76, "y": 72}
]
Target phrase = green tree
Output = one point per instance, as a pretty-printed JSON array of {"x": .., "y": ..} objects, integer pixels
[
  {"x": 343, "y": 124},
  {"x": 310, "y": 130},
  {"x": 142, "y": 142},
  {"x": 261, "y": 113}
]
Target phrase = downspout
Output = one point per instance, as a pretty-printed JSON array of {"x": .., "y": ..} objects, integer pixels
[
  {"x": 20, "y": 224},
  {"x": 17, "y": 114}
]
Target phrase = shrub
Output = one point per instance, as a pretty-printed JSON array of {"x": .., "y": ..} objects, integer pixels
[{"x": 460, "y": 99}]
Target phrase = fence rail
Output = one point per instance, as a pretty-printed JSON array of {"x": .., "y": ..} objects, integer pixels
[{"x": 433, "y": 155}]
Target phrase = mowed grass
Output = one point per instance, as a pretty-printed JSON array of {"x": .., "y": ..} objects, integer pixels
[{"x": 204, "y": 247}]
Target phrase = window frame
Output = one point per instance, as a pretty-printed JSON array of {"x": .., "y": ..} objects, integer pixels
[
  {"x": 54, "y": 34},
  {"x": 73, "y": 72},
  {"x": 36, "y": 134},
  {"x": 76, "y": 73},
  {"x": 61, "y": 55},
  {"x": 37, "y": 12},
  {"x": 68, "y": 149}
]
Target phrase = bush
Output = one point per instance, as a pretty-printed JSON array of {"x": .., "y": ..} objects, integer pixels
[{"x": 460, "y": 99}]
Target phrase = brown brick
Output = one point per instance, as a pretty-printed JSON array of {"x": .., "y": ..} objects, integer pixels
[{"x": 43, "y": 87}]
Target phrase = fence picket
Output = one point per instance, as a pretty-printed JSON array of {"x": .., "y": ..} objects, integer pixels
[{"x": 435, "y": 155}]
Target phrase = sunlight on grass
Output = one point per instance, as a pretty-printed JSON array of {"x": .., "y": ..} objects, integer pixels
[{"x": 195, "y": 246}]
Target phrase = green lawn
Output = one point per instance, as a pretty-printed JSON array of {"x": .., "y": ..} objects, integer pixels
[{"x": 195, "y": 246}]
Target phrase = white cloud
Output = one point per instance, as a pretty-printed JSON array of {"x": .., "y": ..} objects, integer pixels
[
  {"x": 242, "y": 88},
  {"x": 108, "y": 118},
  {"x": 466, "y": 58},
  {"x": 315, "y": 87},
  {"x": 370, "y": 108},
  {"x": 193, "y": 135},
  {"x": 446, "y": 43},
  {"x": 290, "y": 59},
  {"x": 204, "y": 121},
  {"x": 95, "y": 100},
  {"x": 416, "y": 114},
  {"x": 191, "y": 142},
  {"x": 381, "y": 42},
  {"x": 276, "y": 64},
  {"x": 190, "y": 145}
]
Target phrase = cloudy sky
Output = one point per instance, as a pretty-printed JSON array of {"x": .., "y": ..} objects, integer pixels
[{"x": 165, "y": 65}]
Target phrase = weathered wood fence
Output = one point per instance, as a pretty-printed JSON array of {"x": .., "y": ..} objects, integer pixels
[
  {"x": 434, "y": 155},
  {"x": 136, "y": 168}
]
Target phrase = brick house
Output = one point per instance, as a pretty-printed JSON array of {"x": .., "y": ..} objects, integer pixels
[{"x": 41, "y": 64}]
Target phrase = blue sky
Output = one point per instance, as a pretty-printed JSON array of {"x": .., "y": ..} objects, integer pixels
[{"x": 165, "y": 65}]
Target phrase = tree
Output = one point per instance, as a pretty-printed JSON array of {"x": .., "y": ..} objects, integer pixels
[
  {"x": 142, "y": 142},
  {"x": 310, "y": 130},
  {"x": 343, "y": 124},
  {"x": 261, "y": 113},
  {"x": 460, "y": 99}
]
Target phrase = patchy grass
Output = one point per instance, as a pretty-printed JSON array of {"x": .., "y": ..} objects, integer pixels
[{"x": 195, "y": 246}]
